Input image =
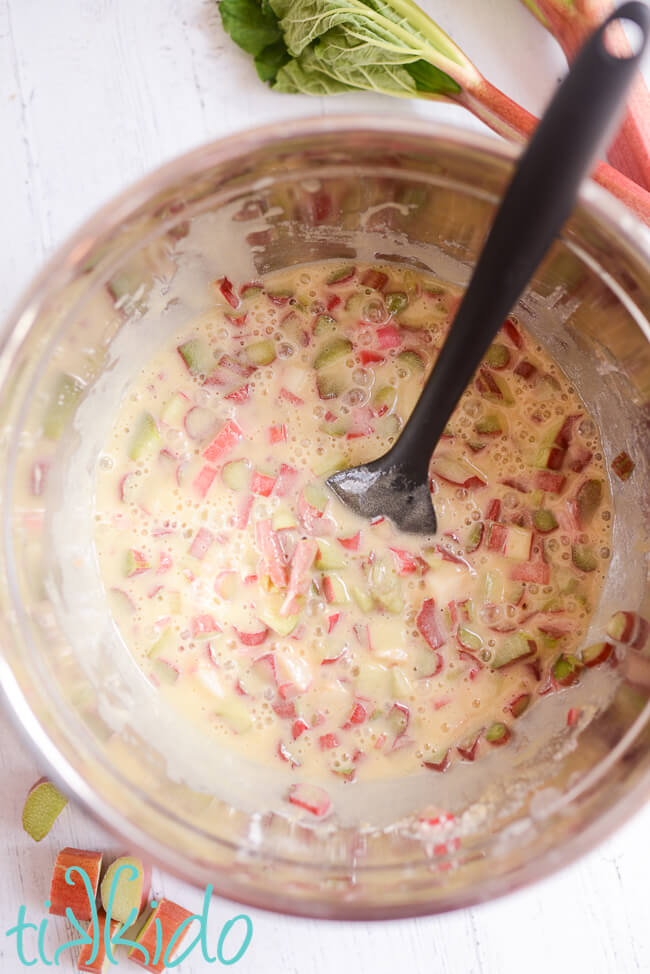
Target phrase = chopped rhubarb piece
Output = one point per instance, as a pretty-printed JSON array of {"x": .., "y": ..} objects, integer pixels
[
  {"x": 342, "y": 276},
  {"x": 262, "y": 484},
  {"x": 125, "y": 888},
  {"x": 43, "y": 805},
  {"x": 286, "y": 709},
  {"x": 327, "y": 741},
  {"x": 310, "y": 797},
  {"x": 513, "y": 333},
  {"x": 299, "y": 727},
  {"x": 239, "y": 395},
  {"x": 252, "y": 638},
  {"x": 583, "y": 558},
  {"x": 351, "y": 543},
  {"x": 136, "y": 563},
  {"x": 389, "y": 336},
  {"x": 458, "y": 472},
  {"x": 204, "y": 480},
  {"x": 300, "y": 573},
  {"x": 204, "y": 625},
  {"x": 525, "y": 369},
  {"x": 285, "y": 480},
  {"x": 428, "y": 625},
  {"x": 538, "y": 572},
  {"x": 157, "y": 933},
  {"x": 498, "y": 534},
  {"x": 595, "y": 654},
  {"x": 227, "y": 290},
  {"x": 290, "y": 397},
  {"x": 367, "y": 357},
  {"x": 224, "y": 441},
  {"x": 623, "y": 465},
  {"x": 271, "y": 551},
  {"x": 278, "y": 433},
  {"x": 566, "y": 670},
  {"x": 332, "y": 620},
  {"x": 573, "y": 716},
  {"x": 520, "y": 704},
  {"x": 374, "y": 279},
  {"x": 544, "y": 521},
  {"x": 407, "y": 563},
  {"x": 70, "y": 891},
  {"x": 493, "y": 510},
  {"x": 549, "y": 481},
  {"x": 100, "y": 964},
  {"x": 488, "y": 386},
  {"x": 497, "y": 734},
  {"x": 441, "y": 762},
  {"x": 578, "y": 457},
  {"x": 474, "y": 537},
  {"x": 201, "y": 543},
  {"x": 588, "y": 499},
  {"x": 622, "y": 626},
  {"x": 565, "y": 433},
  {"x": 243, "y": 512},
  {"x": 468, "y": 749},
  {"x": 359, "y": 714},
  {"x": 497, "y": 356}
]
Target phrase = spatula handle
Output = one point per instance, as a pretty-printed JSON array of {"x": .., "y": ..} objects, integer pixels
[{"x": 537, "y": 203}]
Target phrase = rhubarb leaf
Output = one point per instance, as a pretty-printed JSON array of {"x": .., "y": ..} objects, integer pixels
[
  {"x": 269, "y": 61},
  {"x": 251, "y": 24}
]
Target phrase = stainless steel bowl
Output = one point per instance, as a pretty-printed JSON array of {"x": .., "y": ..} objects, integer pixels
[{"x": 287, "y": 194}]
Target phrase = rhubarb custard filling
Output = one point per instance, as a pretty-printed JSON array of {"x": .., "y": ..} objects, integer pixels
[{"x": 286, "y": 626}]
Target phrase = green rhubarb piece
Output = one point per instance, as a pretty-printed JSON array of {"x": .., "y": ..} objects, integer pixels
[
  {"x": 362, "y": 598},
  {"x": 164, "y": 644},
  {"x": 411, "y": 360},
  {"x": 490, "y": 425},
  {"x": 235, "y": 713},
  {"x": 174, "y": 410},
  {"x": 43, "y": 805},
  {"x": 336, "y": 590},
  {"x": 469, "y": 640},
  {"x": 122, "y": 889},
  {"x": 197, "y": 356},
  {"x": 336, "y": 427},
  {"x": 566, "y": 669},
  {"x": 146, "y": 438},
  {"x": 253, "y": 291},
  {"x": 164, "y": 672},
  {"x": 373, "y": 681},
  {"x": 279, "y": 293},
  {"x": 497, "y": 733},
  {"x": 474, "y": 537},
  {"x": 596, "y": 653},
  {"x": 385, "y": 586},
  {"x": 134, "y": 563},
  {"x": 330, "y": 556},
  {"x": 584, "y": 558},
  {"x": 492, "y": 587},
  {"x": 396, "y": 301},
  {"x": 513, "y": 593},
  {"x": 325, "y": 325},
  {"x": 331, "y": 352},
  {"x": 385, "y": 398},
  {"x": 621, "y": 626},
  {"x": 342, "y": 274},
  {"x": 497, "y": 356},
  {"x": 65, "y": 397},
  {"x": 512, "y": 647},
  {"x": 316, "y": 496},
  {"x": 400, "y": 684},
  {"x": 330, "y": 385},
  {"x": 283, "y": 519},
  {"x": 270, "y": 616},
  {"x": 588, "y": 499},
  {"x": 518, "y": 543},
  {"x": 520, "y": 705},
  {"x": 236, "y": 474},
  {"x": 329, "y": 463},
  {"x": 544, "y": 520},
  {"x": 261, "y": 353},
  {"x": 388, "y": 426}
]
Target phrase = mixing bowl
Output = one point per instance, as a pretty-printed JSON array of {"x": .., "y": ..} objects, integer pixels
[{"x": 304, "y": 191}]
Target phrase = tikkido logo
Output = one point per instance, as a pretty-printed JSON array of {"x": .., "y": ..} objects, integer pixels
[{"x": 234, "y": 939}]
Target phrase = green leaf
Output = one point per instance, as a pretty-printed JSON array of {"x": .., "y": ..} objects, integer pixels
[
  {"x": 431, "y": 80},
  {"x": 296, "y": 79},
  {"x": 251, "y": 24},
  {"x": 271, "y": 59}
]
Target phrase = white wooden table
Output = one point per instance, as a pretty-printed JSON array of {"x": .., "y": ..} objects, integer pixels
[{"x": 94, "y": 93}]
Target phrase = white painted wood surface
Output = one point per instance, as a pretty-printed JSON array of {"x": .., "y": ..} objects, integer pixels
[{"x": 94, "y": 93}]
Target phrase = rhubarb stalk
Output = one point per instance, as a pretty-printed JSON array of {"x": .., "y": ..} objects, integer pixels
[
  {"x": 321, "y": 47},
  {"x": 571, "y": 23}
]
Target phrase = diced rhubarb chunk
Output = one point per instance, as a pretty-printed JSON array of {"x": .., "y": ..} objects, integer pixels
[
  {"x": 224, "y": 441},
  {"x": 310, "y": 797},
  {"x": 549, "y": 481},
  {"x": 228, "y": 292},
  {"x": 76, "y": 864},
  {"x": 623, "y": 465},
  {"x": 428, "y": 625},
  {"x": 204, "y": 480},
  {"x": 156, "y": 935},
  {"x": 262, "y": 484},
  {"x": 278, "y": 433},
  {"x": 201, "y": 543},
  {"x": 622, "y": 627},
  {"x": 374, "y": 279}
]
